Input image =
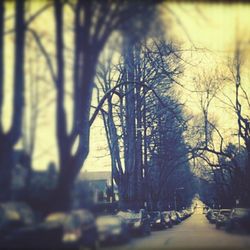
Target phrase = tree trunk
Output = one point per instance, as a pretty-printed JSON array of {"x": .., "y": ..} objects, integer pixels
[
  {"x": 7, "y": 141},
  {"x": 248, "y": 171},
  {"x": 138, "y": 159},
  {"x": 61, "y": 197},
  {"x": 2, "y": 11},
  {"x": 130, "y": 128},
  {"x": 6, "y": 160}
]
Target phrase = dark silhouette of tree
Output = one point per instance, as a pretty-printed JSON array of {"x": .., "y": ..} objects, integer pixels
[
  {"x": 10, "y": 138},
  {"x": 135, "y": 125},
  {"x": 94, "y": 22}
]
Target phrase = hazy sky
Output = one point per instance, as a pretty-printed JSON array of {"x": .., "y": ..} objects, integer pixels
[{"x": 207, "y": 34}]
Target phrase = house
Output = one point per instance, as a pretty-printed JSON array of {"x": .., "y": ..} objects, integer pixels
[{"x": 98, "y": 182}]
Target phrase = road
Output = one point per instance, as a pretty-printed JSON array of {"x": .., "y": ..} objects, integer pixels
[{"x": 193, "y": 233}]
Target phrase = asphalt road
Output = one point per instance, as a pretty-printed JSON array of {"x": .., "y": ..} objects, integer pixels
[{"x": 193, "y": 233}]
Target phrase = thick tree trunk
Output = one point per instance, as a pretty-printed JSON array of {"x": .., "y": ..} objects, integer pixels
[
  {"x": 6, "y": 163},
  {"x": 61, "y": 197},
  {"x": 8, "y": 140}
]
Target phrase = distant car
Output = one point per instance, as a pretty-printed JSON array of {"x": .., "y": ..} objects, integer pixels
[
  {"x": 205, "y": 209},
  {"x": 80, "y": 230},
  {"x": 174, "y": 217},
  {"x": 167, "y": 218},
  {"x": 112, "y": 229},
  {"x": 157, "y": 220},
  {"x": 186, "y": 213},
  {"x": 138, "y": 223},
  {"x": 214, "y": 215},
  {"x": 211, "y": 215},
  {"x": 180, "y": 215},
  {"x": 222, "y": 218},
  {"x": 190, "y": 211},
  {"x": 239, "y": 218}
]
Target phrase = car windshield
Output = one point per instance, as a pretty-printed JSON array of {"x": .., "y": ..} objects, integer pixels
[
  {"x": 154, "y": 214},
  {"x": 108, "y": 220},
  {"x": 129, "y": 215}
]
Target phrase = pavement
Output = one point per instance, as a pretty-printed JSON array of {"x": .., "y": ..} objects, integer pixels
[{"x": 193, "y": 233}]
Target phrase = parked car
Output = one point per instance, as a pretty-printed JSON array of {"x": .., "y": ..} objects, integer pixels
[
  {"x": 80, "y": 230},
  {"x": 186, "y": 213},
  {"x": 59, "y": 230},
  {"x": 222, "y": 217},
  {"x": 205, "y": 209},
  {"x": 211, "y": 215},
  {"x": 174, "y": 217},
  {"x": 190, "y": 211},
  {"x": 46, "y": 234},
  {"x": 180, "y": 215},
  {"x": 138, "y": 223},
  {"x": 50, "y": 231},
  {"x": 112, "y": 229},
  {"x": 14, "y": 216},
  {"x": 167, "y": 218},
  {"x": 239, "y": 218},
  {"x": 214, "y": 215},
  {"x": 157, "y": 220}
]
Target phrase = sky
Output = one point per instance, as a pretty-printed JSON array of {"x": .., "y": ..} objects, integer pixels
[
  {"x": 208, "y": 33},
  {"x": 205, "y": 32}
]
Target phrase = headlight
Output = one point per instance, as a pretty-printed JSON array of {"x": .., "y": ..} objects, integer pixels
[
  {"x": 158, "y": 221},
  {"x": 137, "y": 224},
  {"x": 69, "y": 237}
]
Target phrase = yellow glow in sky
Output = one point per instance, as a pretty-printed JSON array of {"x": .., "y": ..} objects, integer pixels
[{"x": 206, "y": 32}]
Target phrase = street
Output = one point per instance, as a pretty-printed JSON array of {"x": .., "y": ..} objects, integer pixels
[{"x": 194, "y": 233}]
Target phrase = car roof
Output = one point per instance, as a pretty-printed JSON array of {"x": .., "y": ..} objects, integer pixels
[{"x": 57, "y": 216}]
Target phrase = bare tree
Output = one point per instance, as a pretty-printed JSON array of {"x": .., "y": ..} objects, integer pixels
[
  {"x": 145, "y": 73},
  {"x": 242, "y": 107},
  {"x": 91, "y": 32}
]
